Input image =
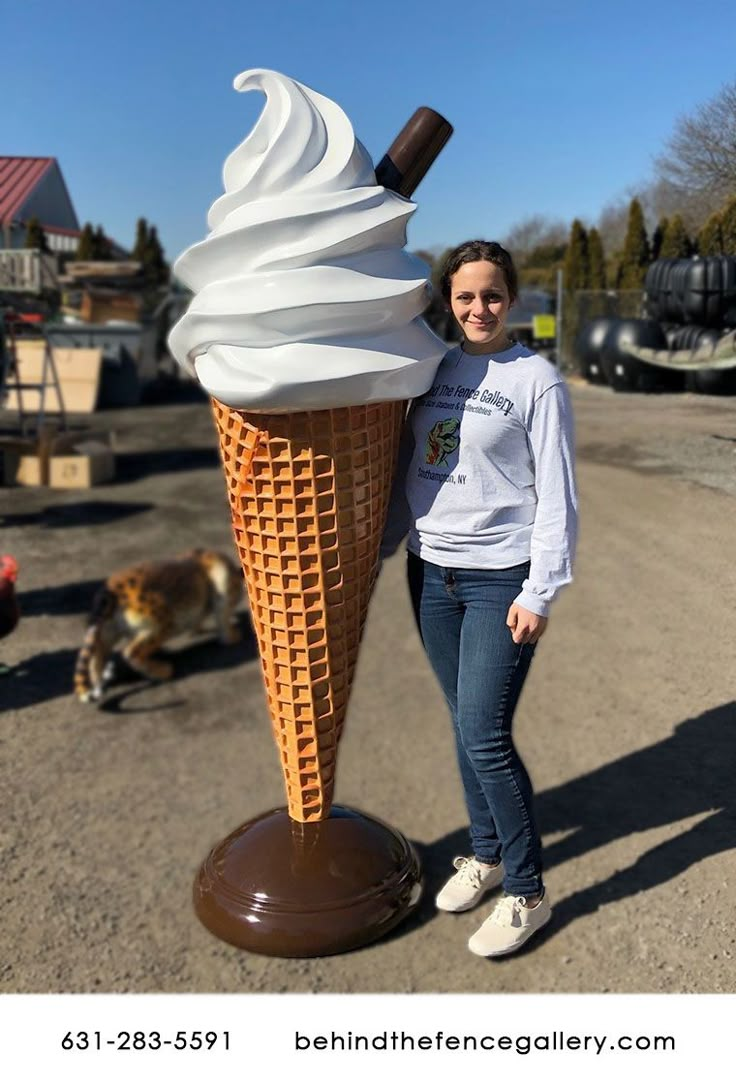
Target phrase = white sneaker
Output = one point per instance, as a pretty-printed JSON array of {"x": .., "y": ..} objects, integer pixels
[
  {"x": 509, "y": 925},
  {"x": 472, "y": 881}
]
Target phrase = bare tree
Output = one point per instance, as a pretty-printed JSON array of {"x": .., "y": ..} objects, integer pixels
[
  {"x": 663, "y": 199},
  {"x": 700, "y": 156},
  {"x": 612, "y": 223},
  {"x": 533, "y": 232}
]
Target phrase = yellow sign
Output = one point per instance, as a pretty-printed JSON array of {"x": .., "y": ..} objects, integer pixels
[{"x": 543, "y": 326}]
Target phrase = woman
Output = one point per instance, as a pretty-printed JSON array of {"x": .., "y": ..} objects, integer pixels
[{"x": 486, "y": 487}]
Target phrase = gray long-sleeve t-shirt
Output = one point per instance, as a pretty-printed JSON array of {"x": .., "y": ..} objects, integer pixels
[{"x": 486, "y": 474}]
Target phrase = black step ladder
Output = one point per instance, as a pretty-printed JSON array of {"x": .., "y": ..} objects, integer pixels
[{"x": 10, "y": 380}]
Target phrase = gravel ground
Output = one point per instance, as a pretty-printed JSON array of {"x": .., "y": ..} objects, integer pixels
[{"x": 627, "y": 724}]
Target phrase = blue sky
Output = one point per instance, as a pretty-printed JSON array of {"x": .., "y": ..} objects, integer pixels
[{"x": 558, "y": 107}]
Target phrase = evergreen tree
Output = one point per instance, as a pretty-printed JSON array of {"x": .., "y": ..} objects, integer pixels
[
  {"x": 613, "y": 269},
  {"x": 35, "y": 236},
  {"x": 155, "y": 268},
  {"x": 728, "y": 227},
  {"x": 103, "y": 250},
  {"x": 710, "y": 236},
  {"x": 636, "y": 250},
  {"x": 658, "y": 237},
  {"x": 86, "y": 246},
  {"x": 575, "y": 276},
  {"x": 576, "y": 267},
  {"x": 596, "y": 261},
  {"x": 675, "y": 243},
  {"x": 141, "y": 240},
  {"x": 538, "y": 269},
  {"x": 546, "y": 255}
]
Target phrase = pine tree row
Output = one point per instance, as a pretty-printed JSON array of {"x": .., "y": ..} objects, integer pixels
[
  {"x": 585, "y": 266},
  {"x": 94, "y": 245}
]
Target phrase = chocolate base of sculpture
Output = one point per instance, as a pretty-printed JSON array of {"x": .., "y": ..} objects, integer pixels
[{"x": 286, "y": 889}]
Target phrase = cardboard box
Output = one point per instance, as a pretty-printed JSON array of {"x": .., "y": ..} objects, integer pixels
[
  {"x": 91, "y": 464},
  {"x": 22, "y": 470},
  {"x": 79, "y": 371},
  {"x": 81, "y": 471},
  {"x": 21, "y": 464}
]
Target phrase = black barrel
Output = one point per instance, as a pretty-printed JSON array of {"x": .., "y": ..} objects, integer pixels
[
  {"x": 699, "y": 291},
  {"x": 588, "y": 346},
  {"x": 705, "y": 381},
  {"x": 712, "y": 382},
  {"x": 624, "y": 372},
  {"x": 710, "y": 290},
  {"x": 692, "y": 336},
  {"x": 660, "y": 303},
  {"x": 658, "y": 292}
]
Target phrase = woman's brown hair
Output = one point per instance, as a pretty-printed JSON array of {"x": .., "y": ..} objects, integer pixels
[{"x": 472, "y": 251}]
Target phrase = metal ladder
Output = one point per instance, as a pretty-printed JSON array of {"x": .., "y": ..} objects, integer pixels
[{"x": 10, "y": 377}]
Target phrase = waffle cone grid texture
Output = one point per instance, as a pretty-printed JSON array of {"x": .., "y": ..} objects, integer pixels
[{"x": 308, "y": 494}]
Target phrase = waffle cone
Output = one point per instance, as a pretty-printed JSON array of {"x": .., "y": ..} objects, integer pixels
[{"x": 309, "y": 494}]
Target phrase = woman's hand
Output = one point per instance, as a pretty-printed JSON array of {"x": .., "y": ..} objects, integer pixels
[{"x": 526, "y": 627}]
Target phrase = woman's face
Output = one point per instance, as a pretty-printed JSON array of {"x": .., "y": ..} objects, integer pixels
[{"x": 480, "y": 302}]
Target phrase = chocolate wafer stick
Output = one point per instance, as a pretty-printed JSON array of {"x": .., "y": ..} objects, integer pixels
[{"x": 413, "y": 151}]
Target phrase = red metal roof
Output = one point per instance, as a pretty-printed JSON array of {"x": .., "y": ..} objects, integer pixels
[
  {"x": 63, "y": 230},
  {"x": 18, "y": 178}
]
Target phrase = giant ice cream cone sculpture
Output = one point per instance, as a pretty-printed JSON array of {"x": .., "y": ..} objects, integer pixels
[
  {"x": 308, "y": 494},
  {"x": 306, "y": 330}
]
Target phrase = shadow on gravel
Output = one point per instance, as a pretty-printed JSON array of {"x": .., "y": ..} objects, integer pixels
[
  {"x": 21, "y": 519},
  {"x": 48, "y": 675},
  {"x": 73, "y": 598},
  {"x": 40, "y": 678},
  {"x": 76, "y": 514},
  {"x": 198, "y": 658},
  {"x": 89, "y": 513},
  {"x": 131, "y": 466},
  {"x": 629, "y": 457},
  {"x": 692, "y": 772}
]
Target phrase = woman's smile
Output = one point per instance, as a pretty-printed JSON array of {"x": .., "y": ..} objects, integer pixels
[{"x": 480, "y": 303}]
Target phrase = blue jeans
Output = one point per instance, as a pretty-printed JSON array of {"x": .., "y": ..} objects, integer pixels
[{"x": 461, "y": 616}]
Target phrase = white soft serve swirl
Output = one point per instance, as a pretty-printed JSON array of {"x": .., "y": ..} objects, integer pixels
[{"x": 304, "y": 295}]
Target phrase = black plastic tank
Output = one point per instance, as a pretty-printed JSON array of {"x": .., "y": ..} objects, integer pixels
[
  {"x": 709, "y": 382},
  {"x": 624, "y": 372},
  {"x": 658, "y": 291},
  {"x": 588, "y": 346},
  {"x": 709, "y": 290}
]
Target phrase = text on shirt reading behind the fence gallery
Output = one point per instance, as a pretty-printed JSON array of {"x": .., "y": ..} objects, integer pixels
[{"x": 454, "y": 397}]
